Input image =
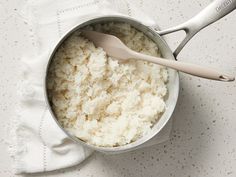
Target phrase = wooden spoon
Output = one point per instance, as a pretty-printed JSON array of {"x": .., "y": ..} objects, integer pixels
[{"x": 114, "y": 47}]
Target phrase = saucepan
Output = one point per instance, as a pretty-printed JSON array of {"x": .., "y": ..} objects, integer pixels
[{"x": 216, "y": 10}]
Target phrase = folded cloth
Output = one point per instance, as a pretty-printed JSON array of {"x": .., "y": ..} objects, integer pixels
[{"x": 38, "y": 144}]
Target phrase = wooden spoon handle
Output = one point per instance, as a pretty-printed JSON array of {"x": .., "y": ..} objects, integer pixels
[{"x": 188, "y": 68}]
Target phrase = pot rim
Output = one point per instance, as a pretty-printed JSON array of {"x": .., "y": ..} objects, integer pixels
[{"x": 148, "y": 136}]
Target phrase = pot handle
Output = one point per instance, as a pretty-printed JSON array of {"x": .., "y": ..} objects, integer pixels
[{"x": 213, "y": 12}]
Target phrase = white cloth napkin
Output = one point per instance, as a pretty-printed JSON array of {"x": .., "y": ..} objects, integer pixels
[{"x": 38, "y": 144}]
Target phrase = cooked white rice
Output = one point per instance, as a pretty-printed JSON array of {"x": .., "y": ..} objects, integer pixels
[{"x": 101, "y": 101}]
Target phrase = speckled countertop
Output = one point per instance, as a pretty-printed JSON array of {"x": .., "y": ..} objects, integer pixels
[{"x": 203, "y": 141}]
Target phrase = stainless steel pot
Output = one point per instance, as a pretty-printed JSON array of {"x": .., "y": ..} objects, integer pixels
[{"x": 212, "y": 13}]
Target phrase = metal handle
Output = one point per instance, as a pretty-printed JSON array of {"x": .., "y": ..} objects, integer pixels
[{"x": 213, "y": 12}]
